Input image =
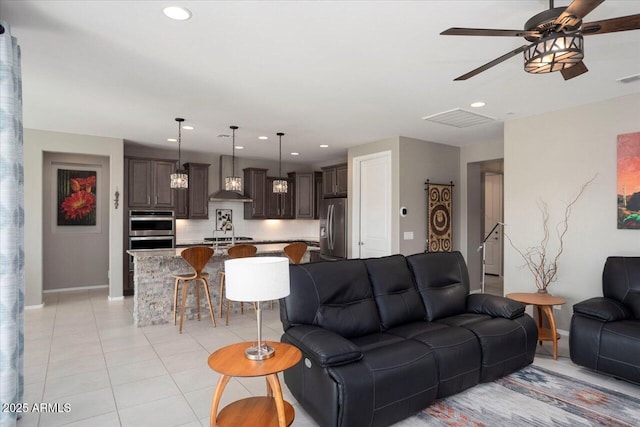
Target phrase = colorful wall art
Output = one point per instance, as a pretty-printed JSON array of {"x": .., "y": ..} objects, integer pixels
[
  {"x": 76, "y": 197},
  {"x": 629, "y": 181}
]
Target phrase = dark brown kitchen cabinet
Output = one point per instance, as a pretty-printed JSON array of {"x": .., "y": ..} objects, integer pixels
[
  {"x": 317, "y": 194},
  {"x": 149, "y": 183},
  {"x": 193, "y": 202},
  {"x": 255, "y": 184},
  {"x": 334, "y": 181},
  {"x": 305, "y": 194},
  {"x": 280, "y": 205}
]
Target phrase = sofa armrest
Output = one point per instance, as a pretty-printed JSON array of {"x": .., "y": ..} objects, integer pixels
[
  {"x": 328, "y": 348},
  {"x": 601, "y": 308},
  {"x": 494, "y": 306}
]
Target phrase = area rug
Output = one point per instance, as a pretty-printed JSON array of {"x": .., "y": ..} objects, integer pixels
[{"x": 532, "y": 396}]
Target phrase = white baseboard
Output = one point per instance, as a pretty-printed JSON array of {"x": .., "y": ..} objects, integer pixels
[
  {"x": 34, "y": 307},
  {"x": 79, "y": 288},
  {"x": 112, "y": 299}
]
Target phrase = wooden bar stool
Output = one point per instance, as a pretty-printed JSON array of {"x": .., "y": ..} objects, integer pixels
[
  {"x": 237, "y": 251},
  {"x": 197, "y": 257},
  {"x": 295, "y": 251}
]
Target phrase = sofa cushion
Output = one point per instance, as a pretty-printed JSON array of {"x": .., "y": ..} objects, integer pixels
[
  {"x": 506, "y": 345},
  {"x": 621, "y": 281},
  {"x": 333, "y": 295},
  {"x": 457, "y": 353},
  {"x": 389, "y": 383},
  {"x": 620, "y": 349},
  {"x": 443, "y": 282},
  {"x": 372, "y": 341},
  {"x": 396, "y": 297},
  {"x": 464, "y": 319}
]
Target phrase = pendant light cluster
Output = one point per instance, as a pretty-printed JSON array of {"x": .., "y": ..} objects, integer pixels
[
  {"x": 280, "y": 184},
  {"x": 233, "y": 182},
  {"x": 179, "y": 179}
]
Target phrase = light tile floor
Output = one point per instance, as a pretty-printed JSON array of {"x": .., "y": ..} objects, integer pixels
[{"x": 83, "y": 350}]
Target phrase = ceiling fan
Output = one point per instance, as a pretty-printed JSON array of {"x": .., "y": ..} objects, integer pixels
[{"x": 556, "y": 36}]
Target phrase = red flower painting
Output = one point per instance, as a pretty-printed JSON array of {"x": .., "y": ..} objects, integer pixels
[{"x": 76, "y": 197}]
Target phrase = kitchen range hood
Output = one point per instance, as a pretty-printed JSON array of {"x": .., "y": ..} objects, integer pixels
[{"x": 229, "y": 196}]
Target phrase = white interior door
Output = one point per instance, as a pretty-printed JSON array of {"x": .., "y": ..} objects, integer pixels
[
  {"x": 492, "y": 215},
  {"x": 372, "y": 205}
]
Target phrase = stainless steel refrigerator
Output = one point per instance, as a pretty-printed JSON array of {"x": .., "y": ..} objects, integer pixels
[{"x": 333, "y": 229}]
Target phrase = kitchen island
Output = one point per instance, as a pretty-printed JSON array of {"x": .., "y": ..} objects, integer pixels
[{"x": 153, "y": 284}]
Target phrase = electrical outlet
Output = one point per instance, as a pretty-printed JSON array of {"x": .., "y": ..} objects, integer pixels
[{"x": 408, "y": 235}]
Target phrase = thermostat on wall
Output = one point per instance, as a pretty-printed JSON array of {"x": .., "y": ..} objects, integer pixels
[{"x": 403, "y": 211}]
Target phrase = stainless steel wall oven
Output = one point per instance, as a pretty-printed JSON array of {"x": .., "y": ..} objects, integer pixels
[
  {"x": 149, "y": 229},
  {"x": 152, "y": 223}
]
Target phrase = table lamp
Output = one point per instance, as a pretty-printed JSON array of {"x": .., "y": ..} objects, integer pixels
[{"x": 257, "y": 279}]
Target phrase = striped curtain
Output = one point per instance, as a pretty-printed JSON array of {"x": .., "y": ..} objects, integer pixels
[{"x": 11, "y": 227}]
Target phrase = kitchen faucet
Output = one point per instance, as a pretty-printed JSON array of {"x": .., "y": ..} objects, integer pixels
[{"x": 233, "y": 232}]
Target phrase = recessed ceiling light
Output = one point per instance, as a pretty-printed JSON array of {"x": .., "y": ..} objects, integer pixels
[
  {"x": 172, "y": 140},
  {"x": 177, "y": 13},
  {"x": 239, "y": 147},
  {"x": 263, "y": 138},
  {"x": 477, "y": 104},
  {"x": 295, "y": 154},
  {"x": 187, "y": 127},
  {"x": 324, "y": 146}
]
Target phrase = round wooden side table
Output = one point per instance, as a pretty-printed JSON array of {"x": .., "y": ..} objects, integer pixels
[
  {"x": 270, "y": 410},
  {"x": 544, "y": 304}
]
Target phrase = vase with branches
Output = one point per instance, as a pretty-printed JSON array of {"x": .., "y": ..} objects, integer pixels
[{"x": 538, "y": 259}]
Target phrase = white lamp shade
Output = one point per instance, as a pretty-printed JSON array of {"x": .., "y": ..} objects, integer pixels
[{"x": 256, "y": 279}]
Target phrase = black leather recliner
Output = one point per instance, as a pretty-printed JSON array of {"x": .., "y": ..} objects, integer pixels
[
  {"x": 605, "y": 331},
  {"x": 382, "y": 338}
]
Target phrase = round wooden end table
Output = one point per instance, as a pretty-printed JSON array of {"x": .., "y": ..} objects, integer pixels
[
  {"x": 270, "y": 410},
  {"x": 544, "y": 304}
]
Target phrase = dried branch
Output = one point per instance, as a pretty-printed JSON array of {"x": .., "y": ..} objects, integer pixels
[{"x": 543, "y": 267}]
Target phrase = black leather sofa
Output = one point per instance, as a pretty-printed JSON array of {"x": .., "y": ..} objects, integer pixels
[
  {"x": 605, "y": 331},
  {"x": 383, "y": 338}
]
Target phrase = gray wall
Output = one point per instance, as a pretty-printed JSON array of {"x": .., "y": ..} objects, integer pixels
[
  {"x": 36, "y": 143},
  {"x": 413, "y": 161},
  {"x": 422, "y": 160},
  {"x": 74, "y": 256},
  {"x": 469, "y": 228},
  {"x": 576, "y": 144}
]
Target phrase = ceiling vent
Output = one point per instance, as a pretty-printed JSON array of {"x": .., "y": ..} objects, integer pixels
[{"x": 459, "y": 118}]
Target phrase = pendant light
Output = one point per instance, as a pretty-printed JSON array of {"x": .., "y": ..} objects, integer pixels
[
  {"x": 179, "y": 179},
  {"x": 280, "y": 184},
  {"x": 233, "y": 182}
]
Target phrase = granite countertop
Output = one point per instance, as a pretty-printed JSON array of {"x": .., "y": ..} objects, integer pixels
[
  {"x": 309, "y": 241},
  {"x": 263, "y": 249}
]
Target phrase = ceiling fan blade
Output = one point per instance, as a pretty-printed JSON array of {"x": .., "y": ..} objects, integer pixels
[
  {"x": 575, "y": 12},
  {"x": 455, "y": 31},
  {"x": 623, "y": 23},
  {"x": 575, "y": 71},
  {"x": 492, "y": 63}
]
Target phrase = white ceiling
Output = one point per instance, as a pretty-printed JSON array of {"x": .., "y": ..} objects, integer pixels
[{"x": 342, "y": 73}]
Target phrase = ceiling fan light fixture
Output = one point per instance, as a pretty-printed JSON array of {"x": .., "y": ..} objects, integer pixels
[{"x": 555, "y": 52}]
